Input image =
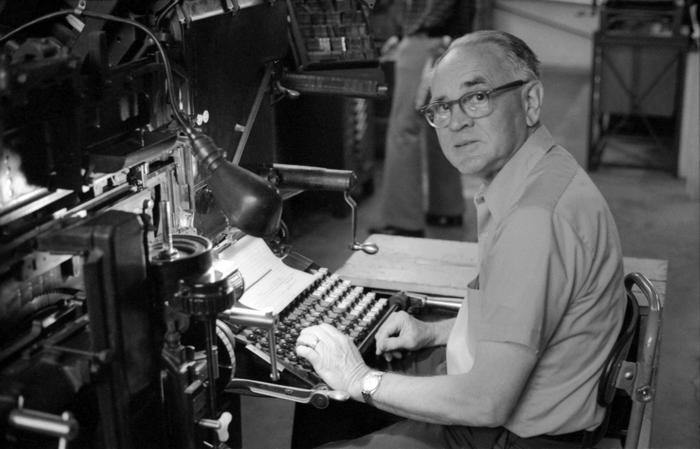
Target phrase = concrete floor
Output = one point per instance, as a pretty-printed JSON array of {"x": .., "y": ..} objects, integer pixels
[{"x": 655, "y": 219}]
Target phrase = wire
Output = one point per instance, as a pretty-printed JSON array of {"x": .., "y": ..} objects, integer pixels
[
  {"x": 164, "y": 12},
  {"x": 31, "y": 23},
  {"x": 170, "y": 86}
]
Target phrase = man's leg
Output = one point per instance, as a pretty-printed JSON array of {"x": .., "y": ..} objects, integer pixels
[
  {"x": 445, "y": 199},
  {"x": 401, "y": 198},
  {"x": 411, "y": 434}
]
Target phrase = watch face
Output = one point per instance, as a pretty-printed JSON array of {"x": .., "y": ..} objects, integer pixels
[{"x": 370, "y": 382}]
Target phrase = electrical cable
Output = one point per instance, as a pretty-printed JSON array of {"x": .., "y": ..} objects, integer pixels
[
  {"x": 164, "y": 12},
  {"x": 111, "y": 18}
]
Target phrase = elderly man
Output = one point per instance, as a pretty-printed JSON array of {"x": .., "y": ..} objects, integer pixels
[{"x": 525, "y": 352}]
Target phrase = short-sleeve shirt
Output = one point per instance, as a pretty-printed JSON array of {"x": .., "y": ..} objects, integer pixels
[{"x": 550, "y": 279}]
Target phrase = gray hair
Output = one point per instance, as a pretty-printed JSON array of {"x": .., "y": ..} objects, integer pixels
[{"x": 516, "y": 51}]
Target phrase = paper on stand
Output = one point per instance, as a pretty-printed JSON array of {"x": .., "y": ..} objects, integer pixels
[{"x": 269, "y": 284}]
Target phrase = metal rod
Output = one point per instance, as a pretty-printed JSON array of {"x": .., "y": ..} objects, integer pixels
[
  {"x": 250, "y": 317},
  {"x": 274, "y": 373},
  {"x": 353, "y": 214},
  {"x": 209, "y": 329},
  {"x": 253, "y": 114},
  {"x": 444, "y": 303},
  {"x": 166, "y": 225}
]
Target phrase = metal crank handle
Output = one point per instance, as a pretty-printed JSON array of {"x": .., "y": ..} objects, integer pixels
[
  {"x": 319, "y": 397},
  {"x": 367, "y": 247}
]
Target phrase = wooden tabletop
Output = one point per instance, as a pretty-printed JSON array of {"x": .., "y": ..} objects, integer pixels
[{"x": 444, "y": 267}]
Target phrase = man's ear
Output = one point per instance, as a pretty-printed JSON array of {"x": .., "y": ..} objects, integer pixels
[{"x": 533, "y": 102}]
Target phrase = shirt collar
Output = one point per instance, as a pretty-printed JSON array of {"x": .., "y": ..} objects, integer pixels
[{"x": 506, "y": 187}]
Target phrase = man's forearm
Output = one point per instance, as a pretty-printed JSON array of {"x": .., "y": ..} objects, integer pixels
[
  {"x": 484, "y": 396},
  {"x": 444, "y": 399}
]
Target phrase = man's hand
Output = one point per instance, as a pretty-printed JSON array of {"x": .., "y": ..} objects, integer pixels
[
  {"x": 335, "y": 358},
  {"x": 401, "y": 331},
  {"x": 423, "y": 91},
  {"x": 389, "y": 49}
]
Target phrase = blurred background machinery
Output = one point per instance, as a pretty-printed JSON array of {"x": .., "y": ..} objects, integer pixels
[{"x": 637, "y": 79}]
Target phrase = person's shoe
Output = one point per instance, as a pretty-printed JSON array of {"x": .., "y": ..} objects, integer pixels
[
  {"x": 393, "y": 230},
  {"x": 444, "y": 221}
]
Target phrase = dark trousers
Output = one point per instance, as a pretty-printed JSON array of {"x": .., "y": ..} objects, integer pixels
[{"x": 410, "y": 434}]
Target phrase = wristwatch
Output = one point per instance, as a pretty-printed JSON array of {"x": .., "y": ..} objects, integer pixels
[{"x": 370, "y": 383}]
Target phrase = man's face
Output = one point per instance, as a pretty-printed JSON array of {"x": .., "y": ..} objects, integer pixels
[{"x": 481, "y": 146}]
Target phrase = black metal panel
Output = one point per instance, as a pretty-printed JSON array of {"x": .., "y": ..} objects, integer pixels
[{"x": 227, "y": 56}]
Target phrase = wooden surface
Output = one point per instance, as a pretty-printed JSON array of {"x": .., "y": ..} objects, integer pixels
[
  {"x": 435, "y": 267},
  {"x": 444, "y": 267}
]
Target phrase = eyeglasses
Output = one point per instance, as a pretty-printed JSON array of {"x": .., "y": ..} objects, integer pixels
[{"x": 474, "y": 104}]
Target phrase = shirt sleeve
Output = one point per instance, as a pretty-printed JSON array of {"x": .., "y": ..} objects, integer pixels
[{"x": 526, "y": 278}]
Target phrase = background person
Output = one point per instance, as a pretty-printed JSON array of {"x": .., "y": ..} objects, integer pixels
[{"x": 423, "y": 25}]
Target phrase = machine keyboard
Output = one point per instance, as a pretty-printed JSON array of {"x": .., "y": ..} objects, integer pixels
[{"x": 353, "y": 310}]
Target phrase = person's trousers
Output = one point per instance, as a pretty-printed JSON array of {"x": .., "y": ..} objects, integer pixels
[
  {"x": 411, "y": 434},
  {"x": 409, "y": 141}
]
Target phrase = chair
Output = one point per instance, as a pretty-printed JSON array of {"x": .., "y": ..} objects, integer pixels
[{"x": 628, "y": 380}]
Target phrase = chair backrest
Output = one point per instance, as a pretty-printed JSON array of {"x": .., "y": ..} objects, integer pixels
[
  {"x": 620, "y": 351},
  {"x": 630, "y": 369}
]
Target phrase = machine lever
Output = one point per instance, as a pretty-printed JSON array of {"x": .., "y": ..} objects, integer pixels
[
  {"x": 220, "y": 426},
  {"x": 64, "y": 426},
  {"x": 367, "y": 247},
  {"x": 319, "y": 397},
  {"x": 265, "y": 320}
]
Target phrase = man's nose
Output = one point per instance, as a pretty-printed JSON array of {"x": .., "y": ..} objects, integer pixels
[{"x": 459, "y": 119}]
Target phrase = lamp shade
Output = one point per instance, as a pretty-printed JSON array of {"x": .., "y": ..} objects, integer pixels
[{"x": 248, "y": 201}]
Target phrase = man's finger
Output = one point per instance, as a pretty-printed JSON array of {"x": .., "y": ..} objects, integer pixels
[
  {"x": 388, "y": 328},
  {"x": 308, "y": 353},
  {"x": 391, "y": 344},
  {"x": 391, "y": 355},
  {"x": 383, "y": 345},
  {"x": 308, "y": 337}
]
